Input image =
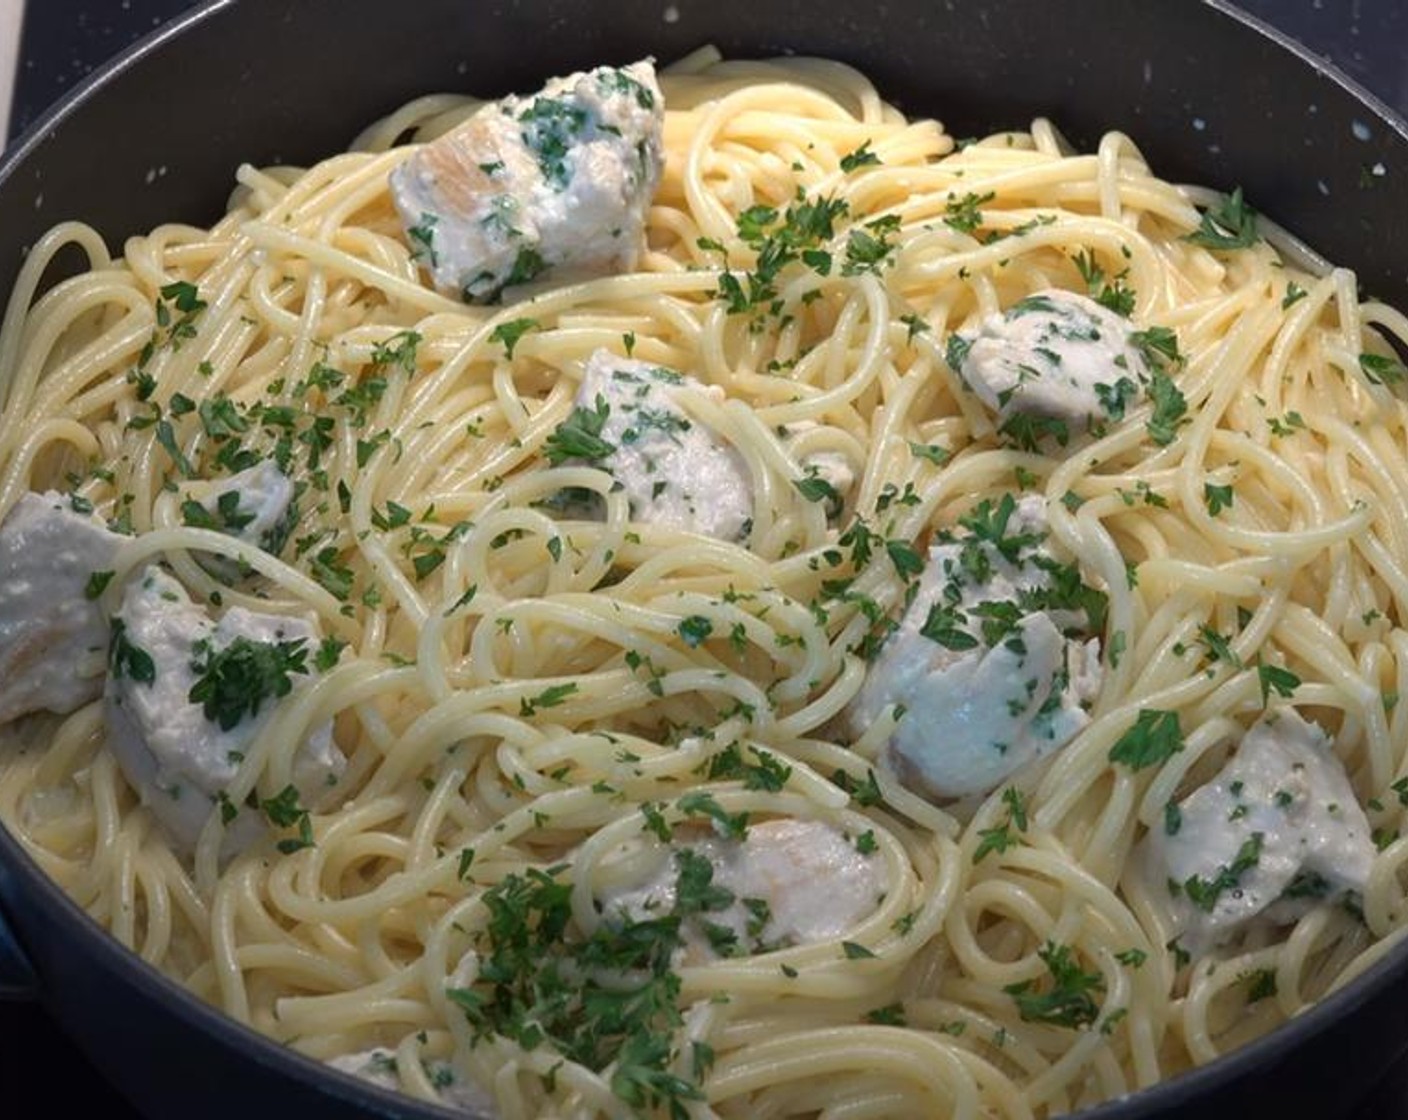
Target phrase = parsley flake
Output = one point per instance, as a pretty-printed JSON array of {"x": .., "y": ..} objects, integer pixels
[{"x": 1153, "y": 739}]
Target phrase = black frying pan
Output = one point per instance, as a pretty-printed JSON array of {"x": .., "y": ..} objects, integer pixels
[{"x": 292, "y": 80}]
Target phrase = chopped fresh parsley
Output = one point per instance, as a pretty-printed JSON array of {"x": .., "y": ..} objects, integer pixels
[
  {"x": 329, "y": 652},
  {"x": 284, "y": 811},
  {"x": 865, "y": 793},
  {"x": 931, "y": 452},
  {"x": 1027, "y": 430},
  {"x": 579, "y": 436},
  {"x": 799, "y": 234},
  {"x": 816, "y": 489},
  {"x": 510, "y": 332},
  {"x": 126, "y": 659},
  {"x": 618, "y": 81},
  {"x": 861, "y": 157},
  {"x": 526, "y": 265},
  {"x": 605, "y": 1000},
  {"x": 1114, "y": 399},
  {"x": 1229, "y": 225},
  {"x": 964, "y": 214},
  {"x": 1261, "y": 984},
  {"x": 1204, "y": 893},
  {"x": 97, "y": 584},
  {"x": 956, "y": 352},
  {"x": 1159, "y": 345},
  {"x": 550, "y": 697},
  {"x": 422, "y": 239},
  {"x": 550, "y": 129},
  {"x": 905, "y": 558},
  {"x": 184, "y": 299},
  {"x": 1170, "y": 409},
  {"x": 1116, "y": 295},
  {"x": 1069, "y": 1001},
  {"x": 399, "y": 350},
  {"x": 694, "y": 630},
  {"x": 1382, "y": 369},
  {"x": 1154, "y": 738},
  {"x": 1217, "y": 498},
  {"x": 767, "y": 773},
  {"x": 235, "y": 681},
  {"x": 732, "y": 826},
  {"x": 868, "y": 248},
  {"x": 1219, "y": 646},
  {"x": 1000, "y": 838},
  {"x": 1273, "y": 678}
]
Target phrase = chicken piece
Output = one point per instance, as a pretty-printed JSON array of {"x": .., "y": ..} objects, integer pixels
[
  {"x": 786, "y": 882},
  {"x": 556, "y": 182},
  {"x": 252, "y": 506},
  {"x": 186, "y": 696},
  {"x": 255, "y": 506},
  {"x": 1053, "y": 364},
  {"x": 673, "y": 470},
  {"x": 53, "y": 636},
  {"x": 1275, "y": 833},
  {"x": 992, "y": 661}
]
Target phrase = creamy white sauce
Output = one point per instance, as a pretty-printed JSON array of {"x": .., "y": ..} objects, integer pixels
[
  {"x": 1275, "y": 833},
  {"x": 264, "y": 495},
  {"x": 558, "y": 182},
  {"x": 177, "y": 759},
  {"x": 831, "y": 466},
  {"x": 975, "y": 715},
  {"x": 53, "y": 636},
  {"x": 254, "y": 506},
  {"x": 793, "y": 882},
  {"x": 1056, "y": 355},
  {"x": 379, "y": 1066},
  {"x": 675, "y": 472}
]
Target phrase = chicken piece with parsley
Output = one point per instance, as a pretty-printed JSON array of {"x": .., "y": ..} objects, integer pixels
[
  {"x": 995, "y": 661},
  {"x": 749, "y": 888},
  {"x": 1056, "y": 365},
  {"x": 630, "y": 421},
  {"x": 255, "y": 505},
  {"x": 1277, "y": 831},
  {"x": 557, "y": 182},
  {"x": 187, "y": 696},
  {"x": 56, "y": 557}
]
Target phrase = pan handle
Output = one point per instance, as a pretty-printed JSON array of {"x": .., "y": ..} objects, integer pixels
[{"x": 18, "y": 980}]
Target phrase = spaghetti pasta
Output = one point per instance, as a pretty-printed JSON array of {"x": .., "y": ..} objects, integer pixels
[{"x": 543, "y": 701}]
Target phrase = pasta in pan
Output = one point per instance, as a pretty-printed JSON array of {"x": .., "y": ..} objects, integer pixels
[{"x": 613, "y": 813}]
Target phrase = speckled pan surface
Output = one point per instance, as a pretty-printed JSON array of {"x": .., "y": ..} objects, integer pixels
[{"x": 1209, "y": 97}]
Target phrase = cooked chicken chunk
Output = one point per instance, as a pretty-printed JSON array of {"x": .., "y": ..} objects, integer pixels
[
  {"x": 1276, "y": 832},
  {"x": 53, "y": 636},
  {"x": 556, "y": 182},
  {"x": 675, "y": 472},
  {"x": 1054, "y": 364},
  {"x": 993, "y": 663},
  {"x": 786, "y": 882},
  {"x": 187, "y": 696}
]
